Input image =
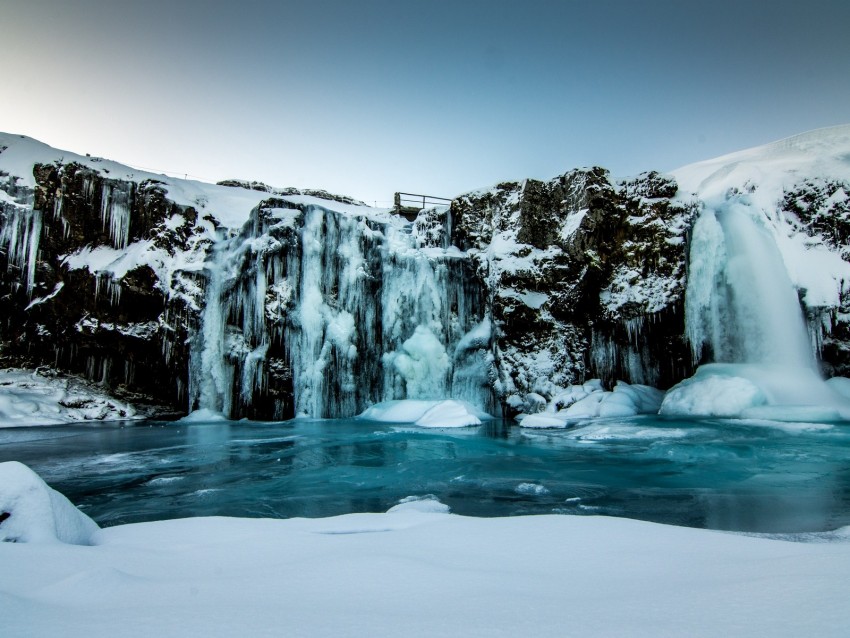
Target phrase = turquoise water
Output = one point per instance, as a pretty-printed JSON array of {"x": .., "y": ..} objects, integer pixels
[{"x": 720, "y": 474}]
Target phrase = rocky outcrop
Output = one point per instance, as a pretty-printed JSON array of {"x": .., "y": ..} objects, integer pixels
[
  {"x": 821, "y": 209},
  {"x": 585, "y": 277},
  {"x": 93, "y": 307}
]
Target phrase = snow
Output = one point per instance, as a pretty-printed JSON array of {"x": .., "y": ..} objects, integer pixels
[
  {"x": 420, "y": 571},
  {"x": 36, "y": 513},
  {"x": 757, "y": 391},
  {"x": 27, "y": 398},
  {"x": 448, "y": 413},
  {"x": 590, "y": 401},
  {"x": 758, "y": 178},
  {"x": 231, "y": 206}
]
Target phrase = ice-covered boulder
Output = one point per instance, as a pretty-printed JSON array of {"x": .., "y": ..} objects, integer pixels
[
  {"x": 590, "y": 401},
  {"x": 33, "y": 512}
]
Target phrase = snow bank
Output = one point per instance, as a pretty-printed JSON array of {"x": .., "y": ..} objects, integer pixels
[
  {"x": 431, "y": 414},
  {"x": 416, "y": 574},
  {"x": 27, "y": 398},
  {"x": 230, "y": 205},
  {"x": 590, "y": 400},
  {"x": 33, "y": 512}
]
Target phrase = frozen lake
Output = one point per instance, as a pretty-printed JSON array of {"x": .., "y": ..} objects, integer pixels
[{"x": 720, "y": 474}]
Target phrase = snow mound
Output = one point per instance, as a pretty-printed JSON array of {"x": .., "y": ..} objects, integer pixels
[
  {"x": 204, "y": 415},
  {"x": 756, "y": 392},
  {"x": 26, "y": 398},
  {"x": 449, "y": 413},
  {"x": 33, "y": 512},
  {"x": 589, "y": 401},
  {"x": 428, "y": 504}
]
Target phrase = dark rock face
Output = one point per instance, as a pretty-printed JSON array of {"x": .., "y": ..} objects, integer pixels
[
  {"x": 588, "y": 280},
  {"x": 127, "y": 333},
  {"x": 822, "y": 209}
]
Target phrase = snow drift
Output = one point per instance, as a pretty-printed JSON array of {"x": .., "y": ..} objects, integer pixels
[{"x": 33, "y": 512}]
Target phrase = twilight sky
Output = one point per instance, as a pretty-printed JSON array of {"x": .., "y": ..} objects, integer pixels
[{"x": 369, "y": 97}]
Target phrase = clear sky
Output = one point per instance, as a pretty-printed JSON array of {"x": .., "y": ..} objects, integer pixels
[{"x": 369, "y": 97}]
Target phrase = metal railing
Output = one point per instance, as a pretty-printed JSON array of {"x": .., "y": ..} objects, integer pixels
[{"x": 409, "y": 204}]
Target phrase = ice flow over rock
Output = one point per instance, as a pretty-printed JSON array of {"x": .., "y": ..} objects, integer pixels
[
  {"x": 352, "y": 312},
  {"x": 743, "y": 309}
]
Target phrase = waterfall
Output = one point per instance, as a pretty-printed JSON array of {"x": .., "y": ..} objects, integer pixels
[
  {"x": 743, "y": 312},
  {"x": 344, "y": 306},
  {"x": 740, "y": 300}
]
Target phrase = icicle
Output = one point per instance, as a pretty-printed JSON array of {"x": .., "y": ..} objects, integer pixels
[
  {"x": 20, "y": 238},
  {"x": 115, "y": 214},
  {"x": 209, "y": 374}
]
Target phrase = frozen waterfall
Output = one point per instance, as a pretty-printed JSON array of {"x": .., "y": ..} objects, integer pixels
[
  {"x": 740, "y": 301},
  {"x": 743, "y": 312},
  {"x": 325, "y": 313}
]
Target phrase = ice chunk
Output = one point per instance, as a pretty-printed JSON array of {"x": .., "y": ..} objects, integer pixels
[
  {"x": 712, "y": 395},
  {"x": 203, "y": 415},
  {"x": 423, "y": 364},
  {"x": 428, "y": 504},
  {"x": 532, "y": 489},
  {"x": 33, "y": 512},
  {"x": 542, "y": 420},
  {"x": 591, "y": 401},
  {"x": 433, "y": 414}
]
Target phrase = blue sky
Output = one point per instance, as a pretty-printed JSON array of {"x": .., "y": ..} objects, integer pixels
[{"x": 366, "y": 98}]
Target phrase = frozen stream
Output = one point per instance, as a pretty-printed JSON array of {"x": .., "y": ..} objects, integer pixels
[{"x": 722, "y": 474}]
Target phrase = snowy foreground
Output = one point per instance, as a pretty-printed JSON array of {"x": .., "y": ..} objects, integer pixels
[{"x": 413, "y": 571}]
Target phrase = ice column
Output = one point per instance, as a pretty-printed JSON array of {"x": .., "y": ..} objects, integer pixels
[{"x": 20, "y": 237}]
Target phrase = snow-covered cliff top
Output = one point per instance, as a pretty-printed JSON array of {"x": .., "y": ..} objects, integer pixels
[
  {"x": 822, "y": 154},
  {"x": 230, "y": 205}
]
